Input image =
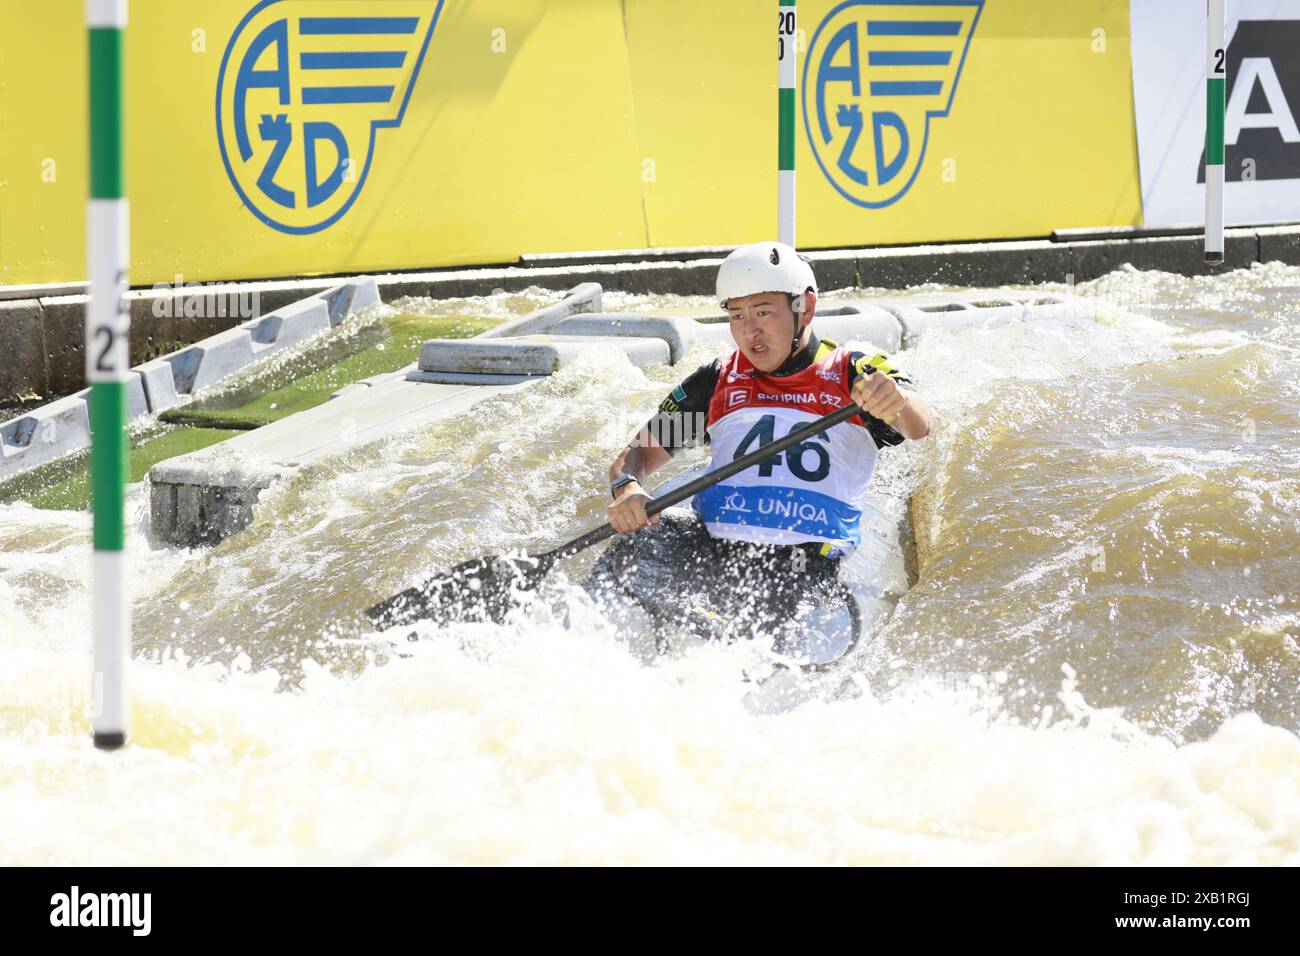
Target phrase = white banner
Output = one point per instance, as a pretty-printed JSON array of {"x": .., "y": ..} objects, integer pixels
[{"x": 1261, "y": 135}]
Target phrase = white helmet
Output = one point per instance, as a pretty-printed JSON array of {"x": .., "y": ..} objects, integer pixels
[{"x": 765, "y": 267}]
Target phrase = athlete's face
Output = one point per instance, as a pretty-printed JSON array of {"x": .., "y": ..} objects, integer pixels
[{"x": 762, "y": 325}]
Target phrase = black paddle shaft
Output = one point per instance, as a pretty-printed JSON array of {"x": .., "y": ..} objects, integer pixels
[{"x": 796, "y": 436}]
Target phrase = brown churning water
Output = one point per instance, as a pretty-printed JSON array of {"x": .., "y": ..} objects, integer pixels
[{"x": 1097, "y": 660}]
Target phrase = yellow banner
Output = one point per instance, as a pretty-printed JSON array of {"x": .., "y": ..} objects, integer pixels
[
  {"x": 291, "y": 137},
  {"x": 974, "y": 121}
]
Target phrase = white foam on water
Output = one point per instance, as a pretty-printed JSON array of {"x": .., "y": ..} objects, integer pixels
[
  {"x": 534, "y": 742},
  {"x": 556, "y": 747}
]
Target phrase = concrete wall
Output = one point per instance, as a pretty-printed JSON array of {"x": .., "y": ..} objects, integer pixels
[
  {"x": 62, "y": 427},
  {"x": 44, "y": 333}
]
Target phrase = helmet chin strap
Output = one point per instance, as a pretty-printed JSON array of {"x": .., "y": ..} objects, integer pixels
[{"x": 797, "y": 305}]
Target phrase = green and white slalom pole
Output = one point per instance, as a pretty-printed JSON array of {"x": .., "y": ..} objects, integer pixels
[
  {"x": 1216, "y": 74},
  {"x": 785, "y": 121},
  {"x": 108, "y": 324}
]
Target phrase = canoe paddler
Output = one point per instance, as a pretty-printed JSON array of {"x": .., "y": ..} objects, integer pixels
[{"x": 759, "y": 542}]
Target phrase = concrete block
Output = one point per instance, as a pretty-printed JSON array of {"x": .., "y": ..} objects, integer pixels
[
  {"x": 497, "y": 358},
  {"x": 365, "y": 295},
  {"x": 65, "y": 342},
  {"x": 200, "y": 498},
  {"x": 531, "y": 355},
  {"x": 676, "y": 332},
  {"x": 191, "y": 505},
  {"x": 159, "y": 382},
  {"x": 63, "y": 427},
  {"x": 137, "y": 405},
  {"x": 288, "y": 326},
  {"x": 162, "y": 511},
  {"x": 208, "y": 362},
  {"x": 716, "y": 331},
  {"x": 137, "y": 402},
  {"x": 161, "y": 314},
  {"x": 862, "y": 323},
  {"x": 190, "y": 515},
  {"x": 56, "y": 429},
  {"x": 23, "y": 365},
  {"x": 227, "y": 511},
  {"x": 583, "y": 298},
  {"x": 350, "y": 298},
  {"x": 1279, "y": 244},
  {"x": 43, "y": 434},
  {"x": 920, "y": 314}
]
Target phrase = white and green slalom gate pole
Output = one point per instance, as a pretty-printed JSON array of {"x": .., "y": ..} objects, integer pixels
[
  {"x": 1216, "y": 74},
  {"x": 785, "y": 121},
  {"x": 107, "y": 366}
]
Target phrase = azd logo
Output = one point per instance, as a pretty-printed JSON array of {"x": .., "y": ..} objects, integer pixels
[
  {"x": 876, "y": 73},
  {"x": 304, "y": 88}
]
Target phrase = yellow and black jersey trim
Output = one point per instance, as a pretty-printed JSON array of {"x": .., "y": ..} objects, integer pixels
[{"x": 877, "y": 363}]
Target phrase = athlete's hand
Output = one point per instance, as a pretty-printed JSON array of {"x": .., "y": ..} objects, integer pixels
[
  {"x": 879, "y": 396},
  {"x": 627, "y": 513}
]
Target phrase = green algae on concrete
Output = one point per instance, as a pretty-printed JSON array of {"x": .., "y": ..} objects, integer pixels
[
  {"x": 373, "y": 350},
  {"x": 262, "y": 397}
]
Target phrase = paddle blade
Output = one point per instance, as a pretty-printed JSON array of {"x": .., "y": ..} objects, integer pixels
[{"x": 479, "y": 590}]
